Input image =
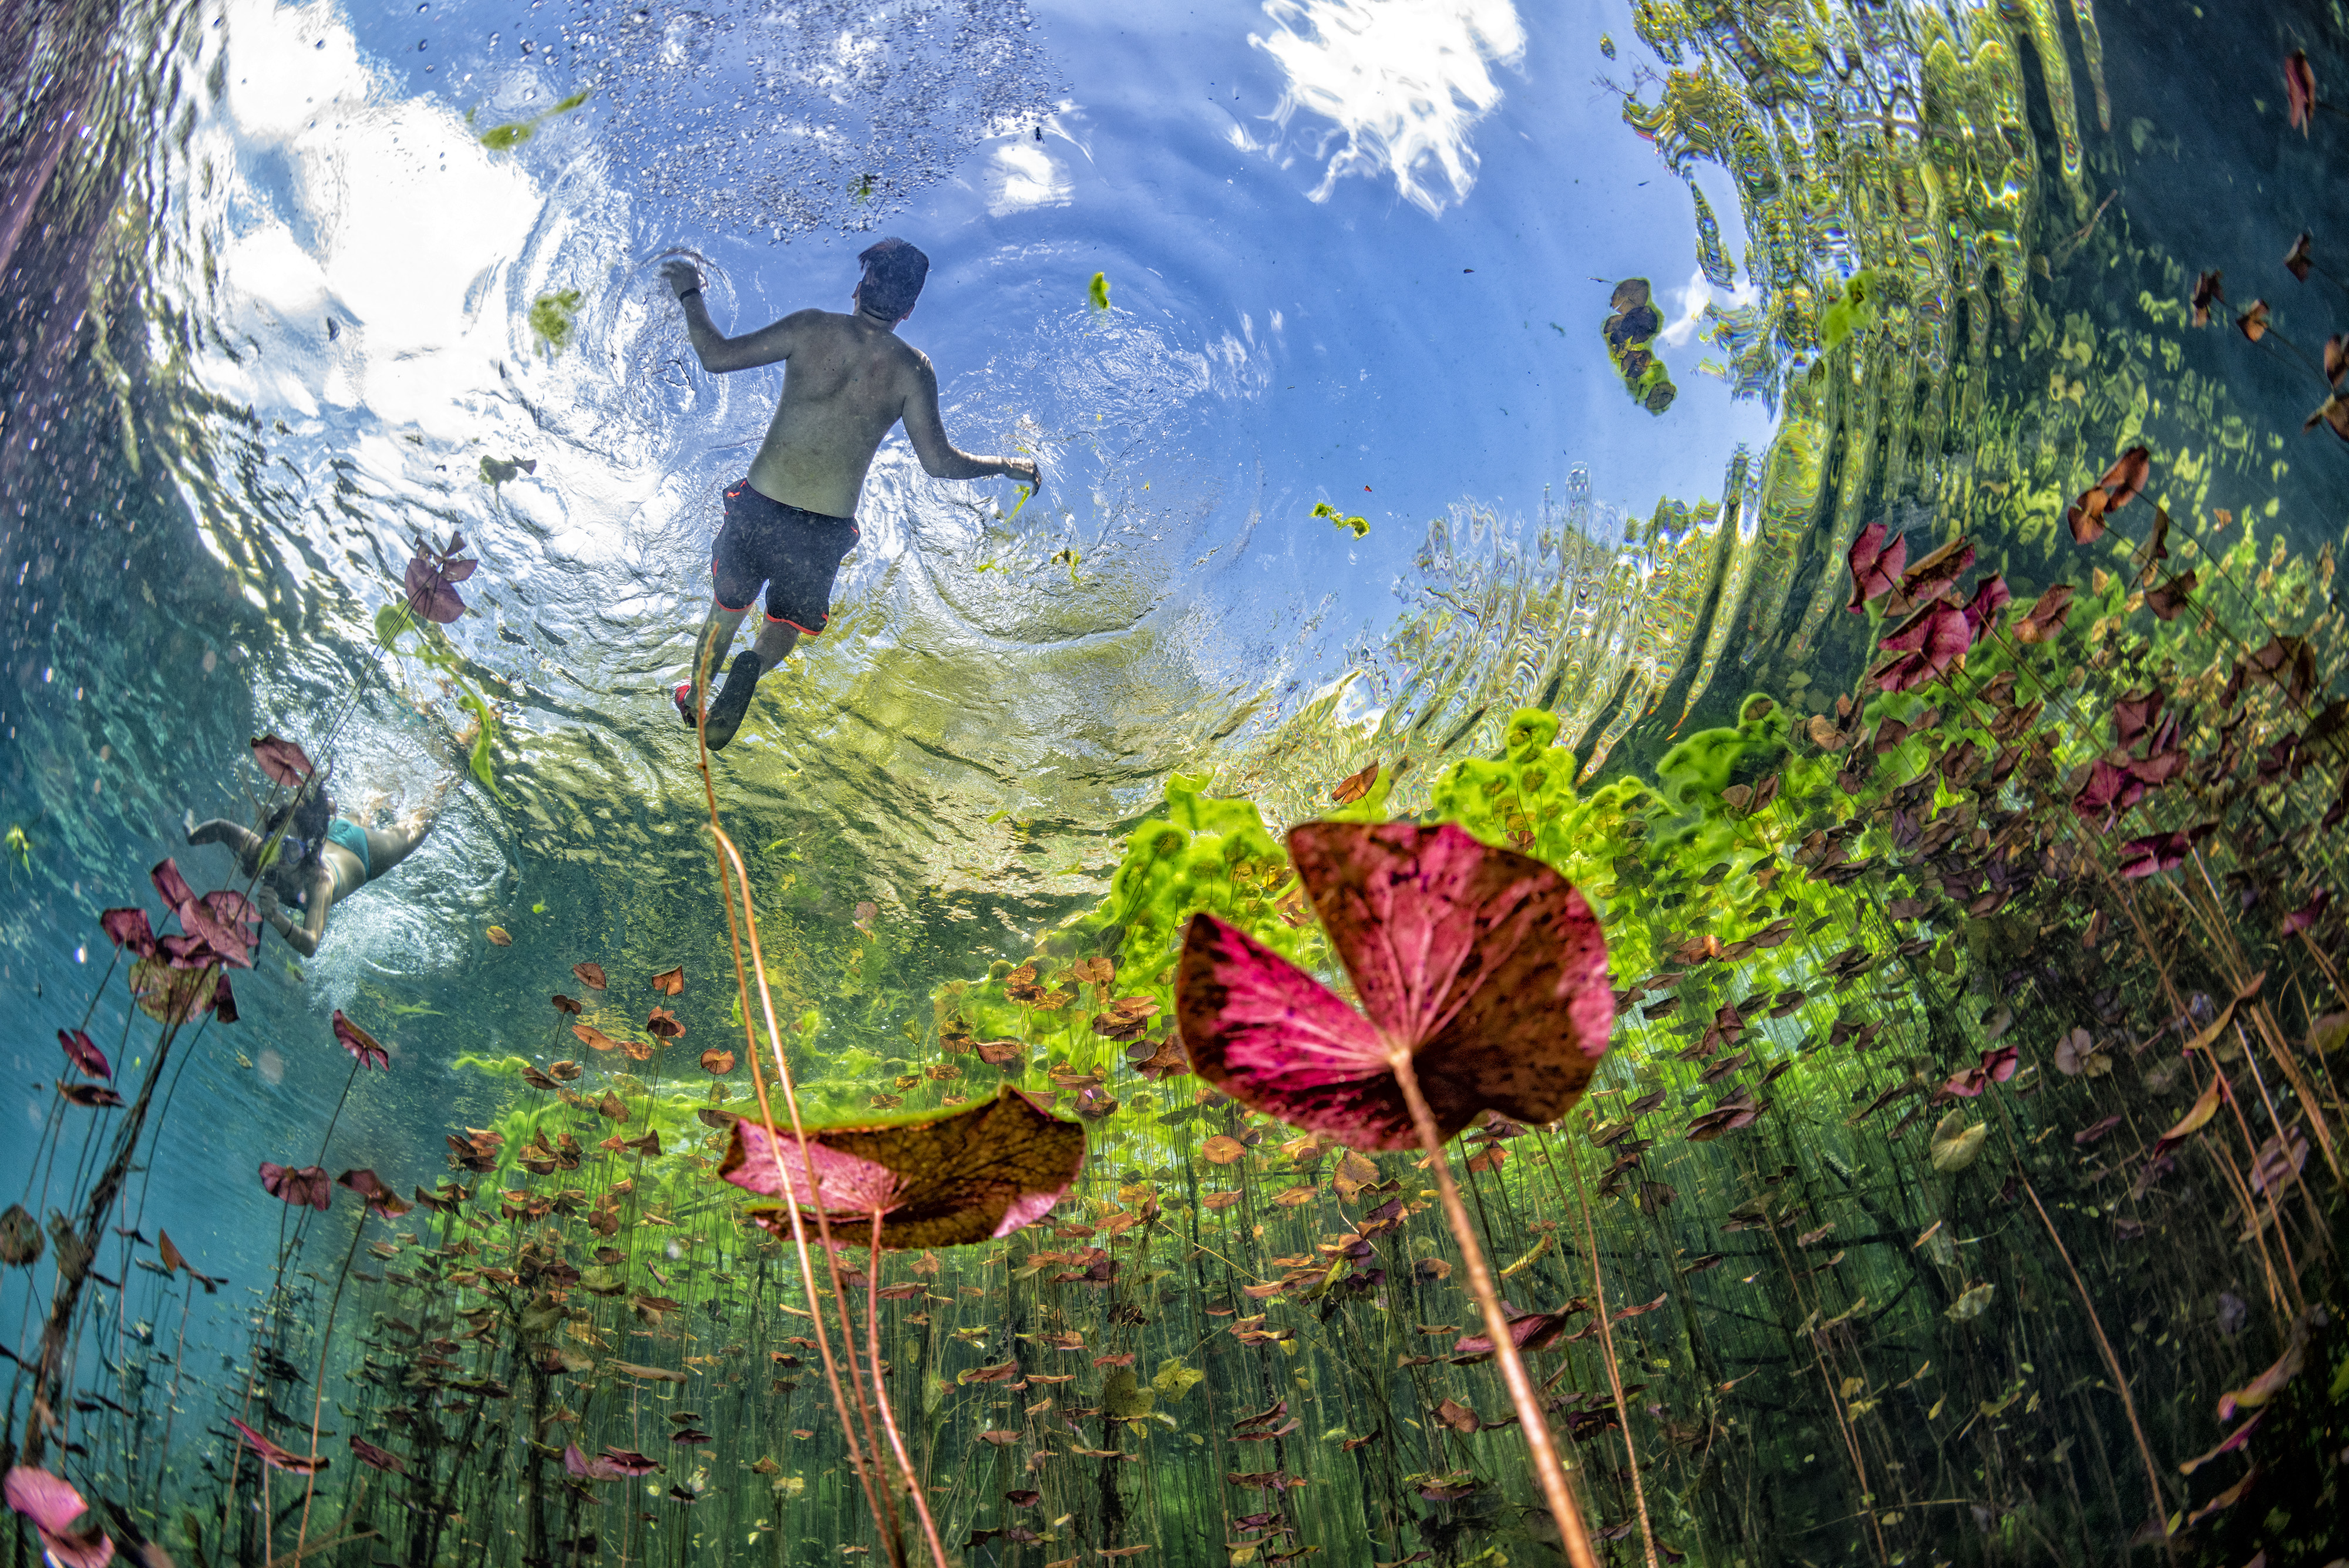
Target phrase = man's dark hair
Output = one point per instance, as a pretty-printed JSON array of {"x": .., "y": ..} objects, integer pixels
[{"x": 893, "y": 274}]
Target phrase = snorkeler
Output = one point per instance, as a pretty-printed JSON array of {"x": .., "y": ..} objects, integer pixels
[
  {"x": 322, "y": 858},
  {"x": 847, "y": 381}
]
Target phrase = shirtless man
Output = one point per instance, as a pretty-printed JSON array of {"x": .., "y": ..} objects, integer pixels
[{"x": 847, "y": 381}]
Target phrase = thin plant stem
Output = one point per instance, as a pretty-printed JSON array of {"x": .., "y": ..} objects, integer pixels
[
  {"x": 2120, "y": 1378},
  {"x": 881, "y": 1397},
  {"x": 1547, "y": 1469},
  {"x": 1607, "y": 1349},
  {"x": 731, "y": 877},
  {"x": 318, "y": 1402}
]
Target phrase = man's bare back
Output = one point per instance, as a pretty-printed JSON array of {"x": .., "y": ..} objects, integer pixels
[{"x": 847, "y": 381}]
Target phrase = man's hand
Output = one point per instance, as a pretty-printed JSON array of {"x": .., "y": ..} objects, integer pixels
[
  {"x": 1025, "y": 471},
  {"x": 681, "y": 275}
]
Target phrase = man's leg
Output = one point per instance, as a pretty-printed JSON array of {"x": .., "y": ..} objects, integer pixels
[
  {"x": 710, "y": 650},
  {"x": 776, "y": 638}
]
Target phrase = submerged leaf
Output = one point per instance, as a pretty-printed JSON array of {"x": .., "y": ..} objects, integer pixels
[
  {"x": 2270, "y": 1383},
  {"x": 280, "y": 1458},
  {"x": 1955, "y": 1144},
  {"x": 967, "y": 1175},
  {"x": 308, "y": 1184},
  {"x": 20, "y": 1237},
  {"x": 2300, "y": 90},
  {"x": 1354, "y": 786},
  {"x": 1875, "y": 568},
  {"x": 2205, "y": 1107},
  {"x": 84, "y": 1053},
  {"x": 377, "y": 1458},
  {"x": 363, "y": 1047},
  {"x": 1483, "y": 966},
  {"x": 1972, "y": 1303}
]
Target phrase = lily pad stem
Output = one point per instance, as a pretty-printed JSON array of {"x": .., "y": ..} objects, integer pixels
[
  {"x": 1548, "y": 1470},
  {"x": 2120, "y": 1378},
  {"x": 881, "y": 1397}
]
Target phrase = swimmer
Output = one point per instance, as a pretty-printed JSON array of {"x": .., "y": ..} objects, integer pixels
[
  {"x": 847, "y": 381},
  {"x": 323, "y": 858}
]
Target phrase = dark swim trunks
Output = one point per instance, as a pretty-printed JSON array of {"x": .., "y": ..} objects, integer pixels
[{"x": 795, "y": 552}]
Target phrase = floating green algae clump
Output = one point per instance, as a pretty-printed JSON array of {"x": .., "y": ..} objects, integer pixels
[
  {"x": 554, "y": 318},
  {"x": 1852, "y": 311},
  {"x": 1630, "y": 333},
  {"x": 515, "y": 132}
]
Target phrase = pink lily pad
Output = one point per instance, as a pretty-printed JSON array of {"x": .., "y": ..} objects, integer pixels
[
  {"x": 283, "y": 761},
  {"x": 597, "y": 1469},
  {"x": 377, "y": 1458},
  {"x": 363, "y": 1047},
  {"x": 970, "y": 1175},
  {"x": 1934, "y": 639},
  {"x": 171, "y": 885},
  {"x": 1875, "y": 570},
  {"x": 50, "y": 1501},
  {"x": 84, "y": 1053},
  {"x": 129, "y": 929},
  {"x": 1484, "y": 967},
  {"x": 279, "y": 1457},
  {"x": 308, "y": 1184}
]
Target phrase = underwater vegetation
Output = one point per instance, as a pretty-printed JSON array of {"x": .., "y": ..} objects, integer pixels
[{"x": 1914, "y": 1129}]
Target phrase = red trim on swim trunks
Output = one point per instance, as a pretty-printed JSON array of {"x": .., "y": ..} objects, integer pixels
[
  {"x": 803, "y": 630},
  {"x": 742, "y": 608}
]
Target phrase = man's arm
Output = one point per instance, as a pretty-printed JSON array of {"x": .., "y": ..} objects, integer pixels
[
  {"x": 941, "y": 459},
  {"x": 718, "y": 352}
]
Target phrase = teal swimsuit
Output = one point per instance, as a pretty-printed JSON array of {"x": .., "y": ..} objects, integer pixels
[{"x": 350, "y": 835}]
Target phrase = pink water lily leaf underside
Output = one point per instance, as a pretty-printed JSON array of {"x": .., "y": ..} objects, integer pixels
[
  {"x": 970, "y": 1175},
  {"x": 50, "y": 1501},
  {"x": 844, "y": 1187},
  {"x": 1483, "y": 965}
]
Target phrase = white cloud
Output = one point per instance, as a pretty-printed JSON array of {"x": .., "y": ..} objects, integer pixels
[
  {"x": 1024, "y": 174},
  {"x": 1404, "y": 81}
]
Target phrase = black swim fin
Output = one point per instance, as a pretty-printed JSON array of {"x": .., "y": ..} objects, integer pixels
[{"x": 733, "y": 700}]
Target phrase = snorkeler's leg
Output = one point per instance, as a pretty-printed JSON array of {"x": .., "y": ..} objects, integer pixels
[
  {"x": 776, "y": 638},
  {"x": 717, "y": 634},
  {"x": 387, "y": 847},
  {"x": 242, "y": 842}
]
